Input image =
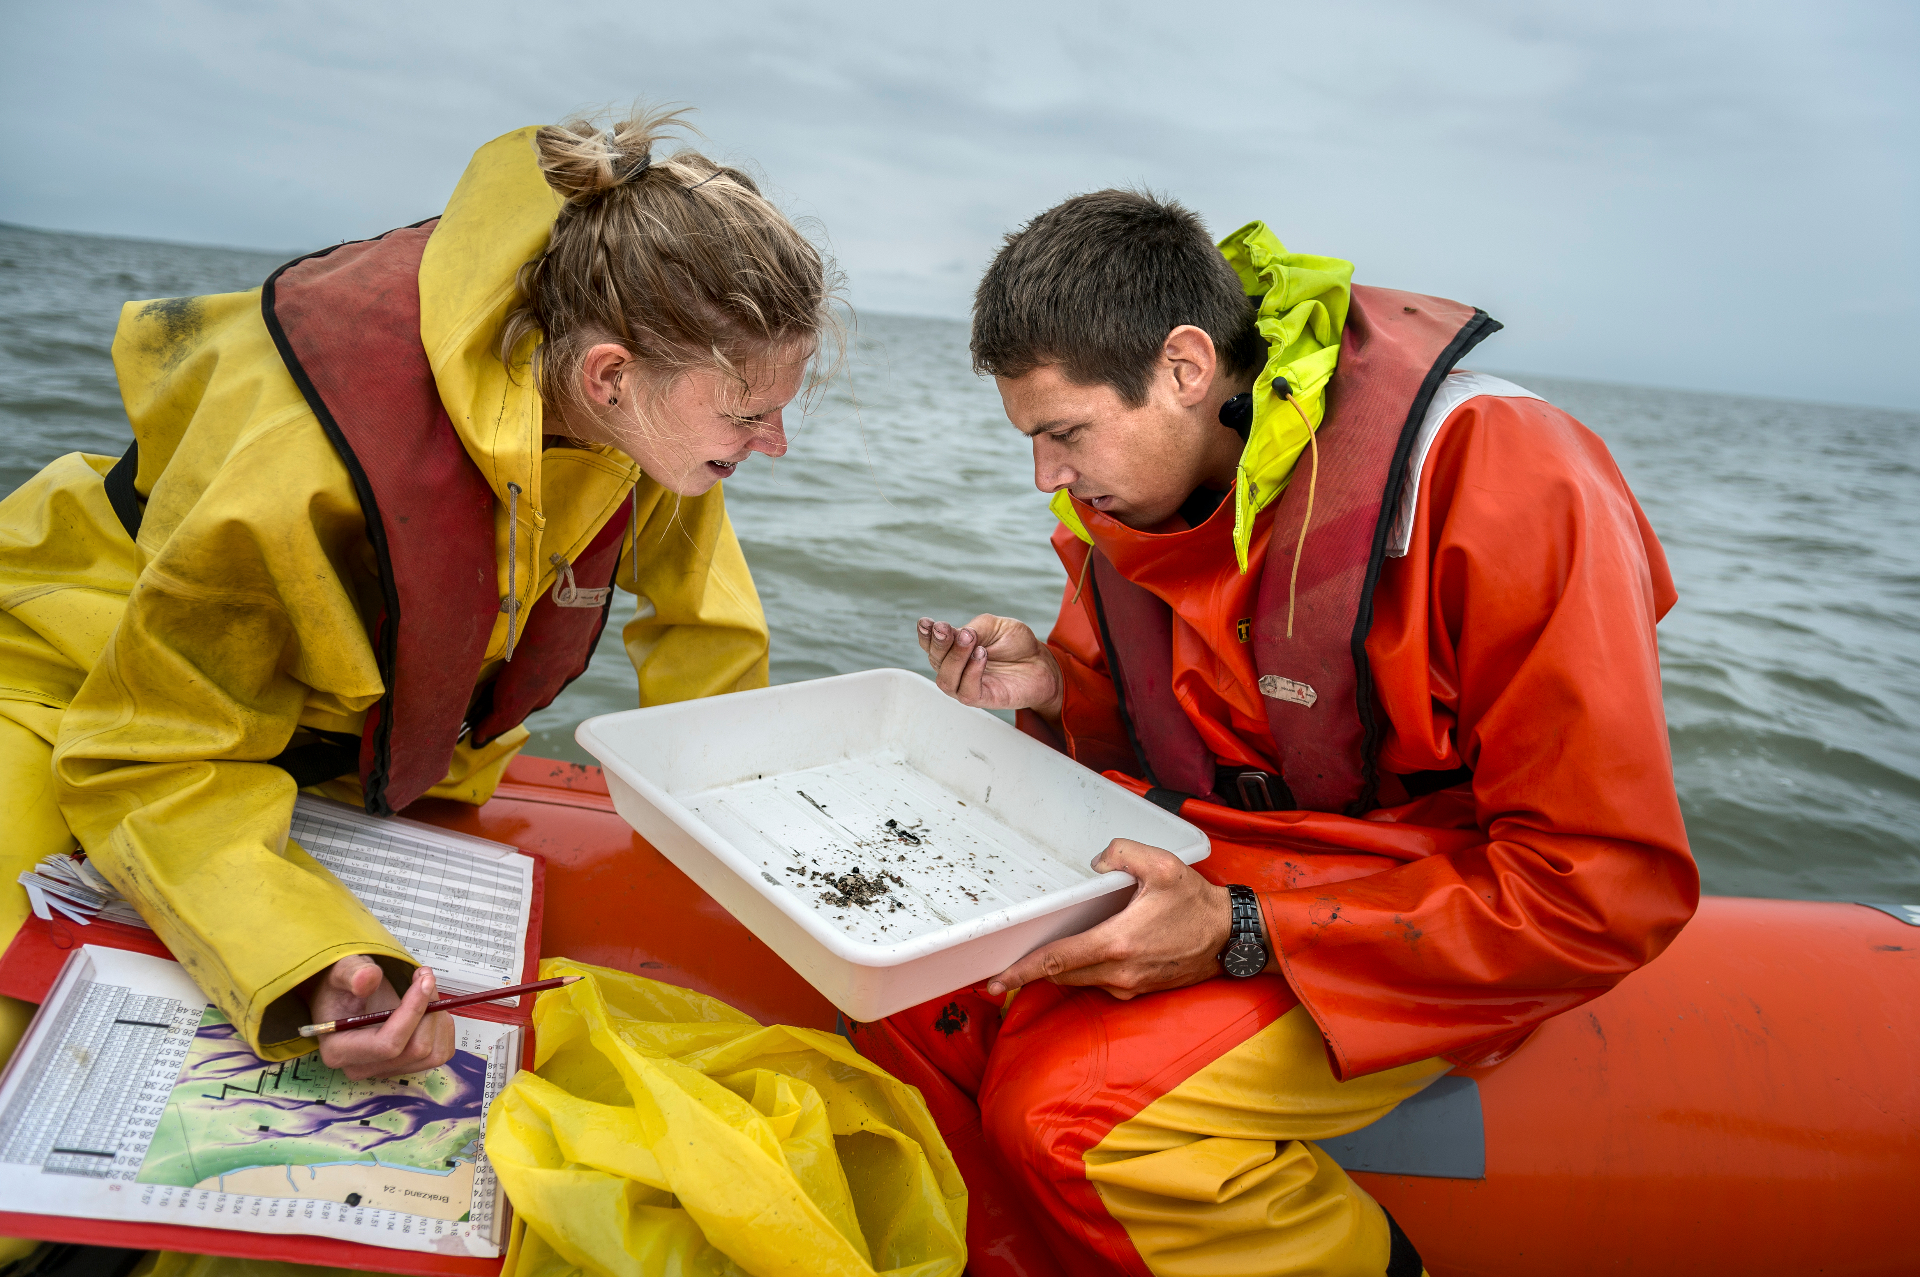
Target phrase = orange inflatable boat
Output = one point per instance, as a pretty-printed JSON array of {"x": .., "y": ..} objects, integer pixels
[{"x": 1748, "y": 1104}]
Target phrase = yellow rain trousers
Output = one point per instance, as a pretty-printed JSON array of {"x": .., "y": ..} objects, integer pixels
[
  {"x": 143, "y": 684},
  {"x": 664, "y": 1132}
]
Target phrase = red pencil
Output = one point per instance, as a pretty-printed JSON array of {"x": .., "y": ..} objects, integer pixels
[{"x": 444, "y": 1004}]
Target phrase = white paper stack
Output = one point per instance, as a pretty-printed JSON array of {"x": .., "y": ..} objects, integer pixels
[
  {"x": 461, "y": 905},
  {"x": 69, "y": 884}
]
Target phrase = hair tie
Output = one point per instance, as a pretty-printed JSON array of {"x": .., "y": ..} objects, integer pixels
[{"x": 645, "y": 161}]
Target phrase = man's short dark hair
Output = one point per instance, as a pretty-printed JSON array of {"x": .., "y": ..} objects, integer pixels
[{"x": 1095, "y": 285}]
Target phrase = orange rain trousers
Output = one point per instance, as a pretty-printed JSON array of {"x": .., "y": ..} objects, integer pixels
[
  {"x": 1515, "y": 638},
  {"x": 1167, "y": 1136}
]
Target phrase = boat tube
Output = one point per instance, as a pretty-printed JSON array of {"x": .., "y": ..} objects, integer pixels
[{"x": 1749, "y": 1102}]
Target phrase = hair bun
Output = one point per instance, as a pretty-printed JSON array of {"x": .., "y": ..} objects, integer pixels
[
  {"x": 678, "y": 259},
  {"x": 636, "y": 169},
  {"x": 583, "y": 161}
]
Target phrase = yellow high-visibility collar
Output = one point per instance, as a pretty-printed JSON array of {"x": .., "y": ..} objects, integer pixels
[{"x": 1303, "y": 308}]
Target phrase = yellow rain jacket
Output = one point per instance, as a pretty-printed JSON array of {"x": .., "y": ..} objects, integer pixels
[{"x": 167, "y": 669}]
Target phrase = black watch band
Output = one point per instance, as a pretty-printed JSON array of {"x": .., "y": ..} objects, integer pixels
[{"x": 1246, "y": 952}]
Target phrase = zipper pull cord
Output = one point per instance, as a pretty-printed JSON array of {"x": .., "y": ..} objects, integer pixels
[
  {"x": 512, "y": 606},
  {"x": 1281, "y": 387},
  {"x": 1085, "y": 565},
  {"x": 633, "y": 537}
]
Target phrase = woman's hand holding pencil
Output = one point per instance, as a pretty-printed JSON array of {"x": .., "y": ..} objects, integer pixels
[
  {"x": 445, "y": 1004},
  {"x": 410, "y": 1037}
]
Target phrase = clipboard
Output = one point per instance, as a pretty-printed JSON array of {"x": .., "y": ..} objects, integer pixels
[{"x": 28, "y": 969}]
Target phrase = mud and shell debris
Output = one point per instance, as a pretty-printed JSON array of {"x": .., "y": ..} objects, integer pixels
[{"x": 857, "y": 887}]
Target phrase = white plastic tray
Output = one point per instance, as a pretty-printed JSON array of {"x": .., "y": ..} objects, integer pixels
[{"x": 769, "y": 799}]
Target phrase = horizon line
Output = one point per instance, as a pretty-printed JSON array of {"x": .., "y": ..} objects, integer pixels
[{"x": 950, "y": 319}]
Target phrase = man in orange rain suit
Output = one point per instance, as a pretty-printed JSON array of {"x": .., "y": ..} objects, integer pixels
[{"x": 1385, "y": 631}]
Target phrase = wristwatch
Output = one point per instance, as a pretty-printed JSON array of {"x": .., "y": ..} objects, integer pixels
[{"x": 1246, "y": 952}]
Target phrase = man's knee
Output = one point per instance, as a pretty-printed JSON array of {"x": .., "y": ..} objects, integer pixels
[
  {"x": 1071, "y": 1064},
  {"x": 1047, "y": 1087},
  {"x": 1028, "y": 1112}
]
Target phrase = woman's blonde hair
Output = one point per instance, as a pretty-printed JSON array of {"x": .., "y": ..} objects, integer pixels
[{"x": 677, "y": 258}]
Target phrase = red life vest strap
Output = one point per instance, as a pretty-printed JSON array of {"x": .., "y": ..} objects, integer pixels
[
  {"x": 1170, "y": 747},
  {"x": 1394, "y": 351},
  {"x": 346, "y": 321}
]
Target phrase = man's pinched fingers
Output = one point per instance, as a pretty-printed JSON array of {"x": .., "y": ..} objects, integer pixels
[
  {"x": 952, "y": 668},
  {"x": 939, "y": 641},
  {"x": 957, "y": 654},
  {"x": 940, "y": 657},
  {"x": 972, "y": 679},
  {"x": 952, "y": 650},
  {"x": 959, "y": 664}
]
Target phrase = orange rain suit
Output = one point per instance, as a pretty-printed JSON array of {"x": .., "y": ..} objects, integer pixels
[{"x": 1171, "y": 1133}]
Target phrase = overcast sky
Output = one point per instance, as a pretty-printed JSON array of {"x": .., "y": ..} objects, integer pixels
[{"x": 1710, "y": 195}]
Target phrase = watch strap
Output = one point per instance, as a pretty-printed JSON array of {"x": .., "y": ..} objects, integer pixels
[
  {"x": 1247, "y": 920},
  {"x": 1248, "y": 927}
]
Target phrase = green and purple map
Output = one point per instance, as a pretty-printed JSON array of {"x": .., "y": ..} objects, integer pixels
[{"x": 238, "y": 1124}]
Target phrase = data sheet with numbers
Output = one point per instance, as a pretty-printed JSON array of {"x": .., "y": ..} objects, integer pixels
[
  {"x": 132, "y": 1098},
  {"x": 461, "y": 905}
]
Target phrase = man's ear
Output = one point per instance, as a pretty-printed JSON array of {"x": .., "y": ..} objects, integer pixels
[{"x": 1189, "y": 357}]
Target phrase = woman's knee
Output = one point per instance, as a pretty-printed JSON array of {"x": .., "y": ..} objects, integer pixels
[{"x": 36, "y": 828}]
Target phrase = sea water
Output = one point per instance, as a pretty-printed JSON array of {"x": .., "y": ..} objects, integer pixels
[{"x": 1791, "y": 664}]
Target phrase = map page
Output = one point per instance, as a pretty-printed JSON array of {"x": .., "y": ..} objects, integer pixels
[{"x": 133, "y": 1098}]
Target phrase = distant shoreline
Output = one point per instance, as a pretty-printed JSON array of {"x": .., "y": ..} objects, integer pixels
[
  {"x": 282, "y": 254},
  {"x": 1519, "y": 378}
]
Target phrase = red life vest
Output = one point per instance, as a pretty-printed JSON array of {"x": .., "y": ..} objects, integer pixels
[
  {"x": 347, "y": 323},
  {"x": 1316, "y": 686}
]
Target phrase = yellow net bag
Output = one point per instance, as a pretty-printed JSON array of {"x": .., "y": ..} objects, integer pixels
[{"x": 663, "y": 1132}]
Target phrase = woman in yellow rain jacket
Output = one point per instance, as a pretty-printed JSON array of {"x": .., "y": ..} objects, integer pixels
[{"x": 328, "y": 558}]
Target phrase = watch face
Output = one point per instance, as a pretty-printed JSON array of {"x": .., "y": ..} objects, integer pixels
[{"x": 1244, "y": 959}]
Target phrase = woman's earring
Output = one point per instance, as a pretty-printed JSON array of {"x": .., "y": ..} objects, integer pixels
[{"x": 613, "y": 400}]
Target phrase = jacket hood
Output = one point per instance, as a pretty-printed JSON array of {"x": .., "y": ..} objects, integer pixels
[
  {"x": 1303, "y": 308},
  {"x": 500, "y": 217}
]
